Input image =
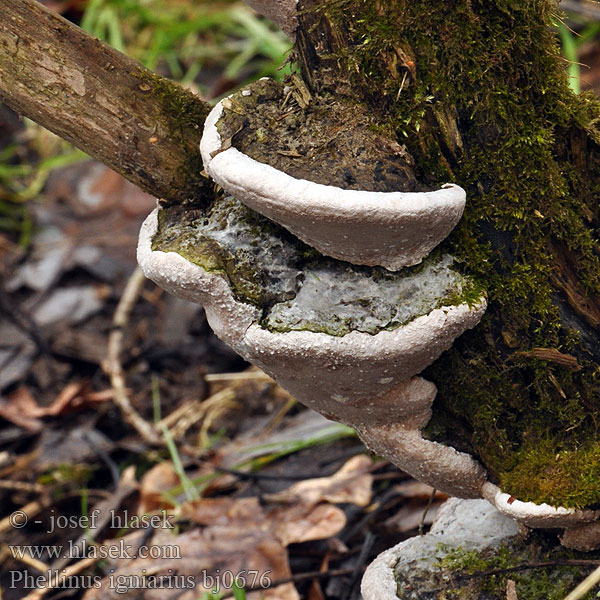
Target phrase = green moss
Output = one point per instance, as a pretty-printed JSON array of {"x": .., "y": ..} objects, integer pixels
[
  {"x": 182, "y": 114},
  {"x": 527, "y": 154},
  {"x": 184, "y": 111},
  {"x": 572, "y": 471},
  {"x": 471, "y": 575},
  {"x": 179, "y": 230}
]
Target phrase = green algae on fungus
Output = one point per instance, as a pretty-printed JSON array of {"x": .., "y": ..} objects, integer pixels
[
  {"x": 477, "y": 92},
  {"x": 318, "y": 139},
  {"x": 297, "y": 288},
  {"x": 339, "y": 297},
  {"x": 473, "y": 575}
]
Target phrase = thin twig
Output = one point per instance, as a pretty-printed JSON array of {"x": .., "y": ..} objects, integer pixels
[
  {"x": 391, "y": 495},
  {"x": 362, "y": 559},
  {"x": 585, "y": 586},
  {"x": 112, "y": 365},
  {"x": 243, "y": 376},
  {"x": 187, "y": 415},
  {"x": 206, "y": 411},
  {"x": 105, "y": 509},
  {"x": 429, "y": 503},
  {"x": 106, "y": 459},
  {"x": 22, "y": 486},
  {"x": 27, "y": 559},
  {"x": 527, "y": 567},
  {"x": 524, "y": 567},
  {"x": 23, "y": 514},
  {"x": 511, "y": 590},
  {"x": 279, "y": 415},
  {"x": 48, "y": 586}
]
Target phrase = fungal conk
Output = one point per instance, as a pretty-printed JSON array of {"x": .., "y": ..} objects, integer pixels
[
  {"x": 334, "y": 286},
  {"x": 345, "y": 339},
  {"x": 317, "y": 167}
]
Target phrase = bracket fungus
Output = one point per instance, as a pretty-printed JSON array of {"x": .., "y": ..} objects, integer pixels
[
  {"x": 472, "y": 551},
  {"x": 361, "y": 371},
  {"x": 365, "y": 226},
  {"x": 365, "y": 379},
  {"x": 339, "y": 291}
]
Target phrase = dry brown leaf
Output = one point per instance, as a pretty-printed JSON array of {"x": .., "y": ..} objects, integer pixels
[
  {"x": 203, "y": 554},
  {"x": 321, "y": 522},
  {"x": 352, "y": 484},
  {"x": 18, "y": 408},
  {"x": 410, "y": 517},
  {"x": 289, "y": 524},
  {"x": 154, "y": 483},
  {"x": 234, "y": 535},
  {"x": 223, "y": 511}
]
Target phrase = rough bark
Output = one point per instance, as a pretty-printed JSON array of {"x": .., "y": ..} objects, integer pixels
[{"x": 141, "y": 125}]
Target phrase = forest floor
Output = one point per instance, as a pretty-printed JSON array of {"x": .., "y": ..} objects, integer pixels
[{"x": 102, "y": 426}]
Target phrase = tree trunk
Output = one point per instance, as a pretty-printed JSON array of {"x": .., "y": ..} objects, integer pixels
[
  {"x": 478, "y": 93},
  {"x": 141, "y": 125}
]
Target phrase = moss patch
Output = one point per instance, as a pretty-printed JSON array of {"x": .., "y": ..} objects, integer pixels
[
  {"x": 182, "y": 114},
  {"x": 475, "y": 575},
  {"x": 477, "y": 92}
]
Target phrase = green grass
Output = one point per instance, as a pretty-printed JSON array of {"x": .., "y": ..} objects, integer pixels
[
  {"x": 239, "y": 593},
  {"x": 22, "y": 182},
  {"x": 184, "y": 41},
  {"x": 180, "y": 39},
  {"x": 191, "y": 493},
  {"x": 571, "y": 43}
]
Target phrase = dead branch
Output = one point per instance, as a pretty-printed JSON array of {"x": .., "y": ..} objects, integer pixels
[{"x": 112, "y": 365}]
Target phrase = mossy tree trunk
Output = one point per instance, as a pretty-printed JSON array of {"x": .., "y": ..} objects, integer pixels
[{"x": 478, "y": 93}]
